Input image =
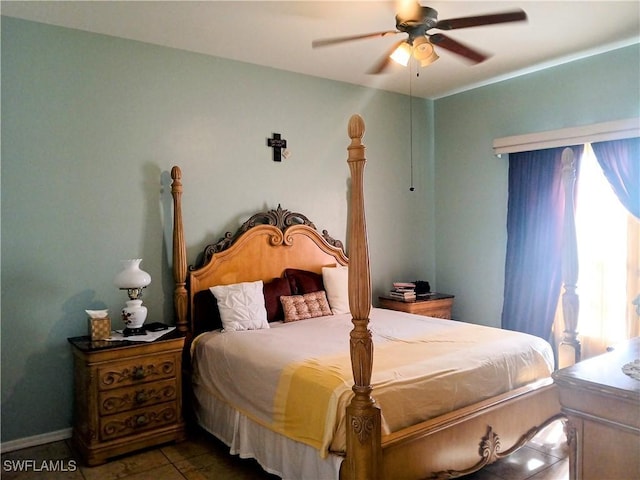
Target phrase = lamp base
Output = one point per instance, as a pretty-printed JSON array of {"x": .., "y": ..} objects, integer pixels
[{"x": 130, "y": 332}]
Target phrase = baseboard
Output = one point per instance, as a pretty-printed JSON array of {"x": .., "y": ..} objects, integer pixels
[{"x": 36, "y": 440}]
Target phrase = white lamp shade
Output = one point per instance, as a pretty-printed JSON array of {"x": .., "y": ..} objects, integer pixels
[
  {"x": 132, "y": 276},
  {"x": 402, "y": 54},
  {"x": 425, "y": 62},
  {"x": 422, "y": 48}
]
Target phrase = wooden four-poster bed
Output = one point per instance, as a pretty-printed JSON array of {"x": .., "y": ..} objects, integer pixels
[{"x": 397, "y": 424}]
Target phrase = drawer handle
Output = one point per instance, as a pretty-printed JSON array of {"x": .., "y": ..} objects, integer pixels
[
  {"x": 141, "y": 420},
  {"x": 141, "y": 397},
  {"x": 138, "y": 373}
]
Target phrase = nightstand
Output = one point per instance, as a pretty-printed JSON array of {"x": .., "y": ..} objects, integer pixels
[
  {"x": 435, "y": 305},
  {"x": 128, "y": 395}
]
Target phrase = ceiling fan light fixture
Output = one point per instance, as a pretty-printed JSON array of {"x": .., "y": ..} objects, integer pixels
[
  {"x": 422, "y": 48},
  {"x": 416, "y": 22},
  {"x": 424, "y": 52},
  {"x": 425, "y": 62},
  {"x": 402, "y": 54}
]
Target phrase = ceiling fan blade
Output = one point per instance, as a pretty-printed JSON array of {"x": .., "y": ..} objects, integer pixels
[
  {"x": 385, "y": 61},
  {"x": 456, "y": 47},
  {"x": 332, "y": 41},
  {"x": 480, "y": 20}
]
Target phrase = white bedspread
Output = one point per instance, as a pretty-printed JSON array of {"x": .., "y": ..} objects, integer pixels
[{"x": 450, "y": 365}]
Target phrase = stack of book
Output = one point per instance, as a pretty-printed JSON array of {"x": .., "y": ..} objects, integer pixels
[{"x": 405, "y": 291}]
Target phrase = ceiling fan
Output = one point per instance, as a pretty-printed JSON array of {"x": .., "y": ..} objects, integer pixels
[{"x": 416, "y": 21}]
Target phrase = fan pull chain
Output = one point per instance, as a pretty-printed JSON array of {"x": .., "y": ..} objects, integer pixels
[{"x": 411, "y": 187}]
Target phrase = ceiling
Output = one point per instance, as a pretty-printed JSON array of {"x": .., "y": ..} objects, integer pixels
[{"x": 278, "y": 34}]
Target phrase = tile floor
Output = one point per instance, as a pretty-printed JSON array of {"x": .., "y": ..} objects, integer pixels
[{"x": 202, "y": 457}]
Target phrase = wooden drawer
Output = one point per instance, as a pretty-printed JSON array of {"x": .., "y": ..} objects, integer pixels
[
  {"x": 442, "y": 312},
  {"x": 128, "y": 395},
  {"x": 602, "y": 406},
  {"x": 136, "y": 371},
  {"x": 439, "y": 306},
  {"x": 147, "y": 394},
  {"x": 136, "y": 421}
]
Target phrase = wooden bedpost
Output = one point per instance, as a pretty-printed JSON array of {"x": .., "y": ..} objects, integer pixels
[
  {"x": 569, "y": 351},
  {"x": 364, "y": 452},
  {"x": 179, "y": 253}
]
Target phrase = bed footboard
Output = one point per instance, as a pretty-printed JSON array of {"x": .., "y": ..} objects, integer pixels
[{"x": 466, "y": 440}]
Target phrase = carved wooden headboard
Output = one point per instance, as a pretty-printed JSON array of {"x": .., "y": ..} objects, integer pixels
[{"x": 262, "y": 248}]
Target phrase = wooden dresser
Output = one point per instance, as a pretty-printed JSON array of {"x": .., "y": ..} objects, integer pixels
[
  {"x": 128, "y": 395},
  {"x": 603, "y": 408},
  {"x": 436, "y": 305}
]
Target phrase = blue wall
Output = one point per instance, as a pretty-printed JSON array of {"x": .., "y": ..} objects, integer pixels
[
  {"x": 91, "y": 126},
  {"x": 471, "y": 182}
]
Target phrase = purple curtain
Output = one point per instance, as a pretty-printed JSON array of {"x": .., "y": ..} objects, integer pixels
[
  {"x": 533, "y": 268},
  {"x": 620, "y": 162}
]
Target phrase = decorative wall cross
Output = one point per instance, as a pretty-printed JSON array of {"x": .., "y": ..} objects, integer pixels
[{"x": 277, "y": 143}]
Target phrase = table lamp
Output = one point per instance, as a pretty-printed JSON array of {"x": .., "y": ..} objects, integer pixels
[{"x": 133, "y": 279}]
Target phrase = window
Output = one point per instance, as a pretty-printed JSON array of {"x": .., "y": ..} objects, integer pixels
[{"x": 607, "y": 238}]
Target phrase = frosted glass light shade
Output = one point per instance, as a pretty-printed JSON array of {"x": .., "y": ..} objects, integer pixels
[
  {"x": 425, "y": 62},
  {"x": 402, "y": 54},
  {"x": 132, "y": 276},
  {"x": 421, "y": 49},
  {"x": 424, "y": 52}
]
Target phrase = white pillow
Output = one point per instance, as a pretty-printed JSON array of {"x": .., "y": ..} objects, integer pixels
[
  {"x": 241, "y": 306},
  {"x": 336, "y": 284}
]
